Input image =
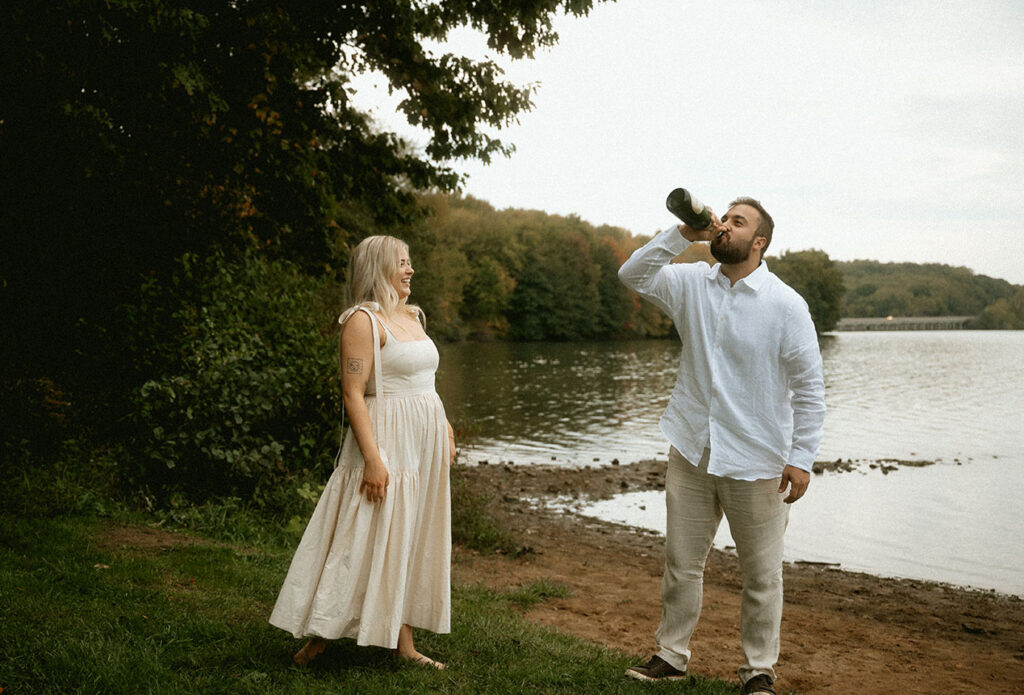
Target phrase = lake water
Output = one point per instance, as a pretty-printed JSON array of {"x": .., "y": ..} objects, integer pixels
[{"x": 955, "y": 398}]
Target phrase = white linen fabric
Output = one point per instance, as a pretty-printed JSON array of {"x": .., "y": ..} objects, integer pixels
[
  {"x": 750, "y": 383},
  {"x": 362, "y": 570}
]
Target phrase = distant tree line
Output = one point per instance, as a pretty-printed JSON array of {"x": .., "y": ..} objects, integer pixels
[
  {"x": 876, "y": 289},
  {"x": 528, "y": 275},
  {"x": 523, "y": 275}
]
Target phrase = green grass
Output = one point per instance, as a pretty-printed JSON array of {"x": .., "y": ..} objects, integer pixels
[{"x": 82, "y": 613}]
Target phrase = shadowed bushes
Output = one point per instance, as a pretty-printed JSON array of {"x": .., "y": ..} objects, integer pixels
[{"x": 239, "y": 393}]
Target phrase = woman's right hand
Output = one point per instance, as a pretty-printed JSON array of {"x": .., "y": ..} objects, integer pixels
[{"x": 375, "y": 481}]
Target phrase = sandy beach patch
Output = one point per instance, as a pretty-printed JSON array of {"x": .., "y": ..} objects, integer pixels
[{"x": 842, "y": 631}]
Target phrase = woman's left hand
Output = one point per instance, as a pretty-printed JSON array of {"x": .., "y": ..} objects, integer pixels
[{"x": 452, "y": 453}]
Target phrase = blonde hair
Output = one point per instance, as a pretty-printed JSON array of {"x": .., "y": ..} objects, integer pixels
[{"x": 371, "y": 267}]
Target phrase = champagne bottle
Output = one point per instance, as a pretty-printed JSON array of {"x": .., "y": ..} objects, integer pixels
[{"x": 687, "y": 208}]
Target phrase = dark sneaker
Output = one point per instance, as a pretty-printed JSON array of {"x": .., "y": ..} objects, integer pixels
[
  {"x": 657, "y": 669},
  {"x": 761, "y": 684}
]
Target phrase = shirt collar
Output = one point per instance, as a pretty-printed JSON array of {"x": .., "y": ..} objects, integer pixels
[{"x": 754, "y": 281}]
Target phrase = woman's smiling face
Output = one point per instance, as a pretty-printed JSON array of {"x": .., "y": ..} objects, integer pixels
[{"x": 402, "y": 279}]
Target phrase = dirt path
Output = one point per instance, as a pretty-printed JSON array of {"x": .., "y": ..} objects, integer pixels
[{"x": 842, "y": 632}]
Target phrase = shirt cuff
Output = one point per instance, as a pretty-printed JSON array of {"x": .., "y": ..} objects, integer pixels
[
  {"x": 802, "y": 460},
  {"x": 672, "y": 240}
]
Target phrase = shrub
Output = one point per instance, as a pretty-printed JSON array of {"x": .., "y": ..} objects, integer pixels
[{"x": 241, "y": 392}]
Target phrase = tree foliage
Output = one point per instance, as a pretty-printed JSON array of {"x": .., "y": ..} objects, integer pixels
[
  {"x": 1005, "y": 313},
  {"x": 238, "y": 377},
  {"x": 817, "y": 279},
  {"x": 140, "y": 137},
  {"x": 520, "y": 274},
  {"x": 910, "y": 289},
  {"x": 528, "y": 275},
  {"x": 134, "y": 132}
]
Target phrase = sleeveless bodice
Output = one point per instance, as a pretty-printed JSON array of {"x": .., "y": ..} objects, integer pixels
[{"x": 408, "y": 367}]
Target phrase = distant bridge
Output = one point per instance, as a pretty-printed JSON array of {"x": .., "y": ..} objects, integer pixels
[{"x": 905, "y": 323}]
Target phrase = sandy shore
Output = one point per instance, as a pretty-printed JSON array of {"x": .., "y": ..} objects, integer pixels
[{"x": 842, "y": 631}]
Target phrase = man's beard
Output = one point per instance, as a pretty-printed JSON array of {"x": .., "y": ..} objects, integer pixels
[{"x": 729, "y": 253}]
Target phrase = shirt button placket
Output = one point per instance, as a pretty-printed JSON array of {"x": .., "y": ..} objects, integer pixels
[{"x": 719, "y": 327}]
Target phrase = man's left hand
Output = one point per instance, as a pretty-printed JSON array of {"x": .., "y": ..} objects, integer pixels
[{"x": 798, "y": 479}]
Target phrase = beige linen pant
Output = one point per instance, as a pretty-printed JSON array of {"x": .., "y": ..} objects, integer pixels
[{"x": 757, "y": 518}]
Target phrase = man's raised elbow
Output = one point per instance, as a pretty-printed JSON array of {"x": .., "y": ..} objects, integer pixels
[{"x": 624, "y": 274}]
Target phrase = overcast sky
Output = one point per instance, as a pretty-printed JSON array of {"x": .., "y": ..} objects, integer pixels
[{"x": 884, "y": 130}]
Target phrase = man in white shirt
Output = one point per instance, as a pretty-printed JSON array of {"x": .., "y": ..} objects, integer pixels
[{"x": 744, "y": 422}]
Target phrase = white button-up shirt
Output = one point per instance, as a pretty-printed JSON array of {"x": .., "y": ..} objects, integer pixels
[{"x": 750, "y": 384}]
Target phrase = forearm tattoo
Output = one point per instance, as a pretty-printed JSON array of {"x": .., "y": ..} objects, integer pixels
[{"x": 354, "y": 365}]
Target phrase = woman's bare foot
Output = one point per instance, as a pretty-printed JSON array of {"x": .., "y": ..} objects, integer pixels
[
  {"x": 407, "y": 651},
  {"x": 310, "y": 651},
  {"x": 422, "y": 660}
]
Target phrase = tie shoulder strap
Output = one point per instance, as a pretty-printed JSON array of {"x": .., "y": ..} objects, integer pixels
[{"x": 378, "y": 374}]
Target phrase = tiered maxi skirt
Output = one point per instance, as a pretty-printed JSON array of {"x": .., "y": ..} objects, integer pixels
[{"x": 364, "y": 569}]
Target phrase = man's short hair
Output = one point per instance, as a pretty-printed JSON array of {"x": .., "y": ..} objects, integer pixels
[{"x": 767, "y": 225}]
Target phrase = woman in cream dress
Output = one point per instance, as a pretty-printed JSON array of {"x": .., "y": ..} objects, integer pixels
[{"x": 375, "y": 559}]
